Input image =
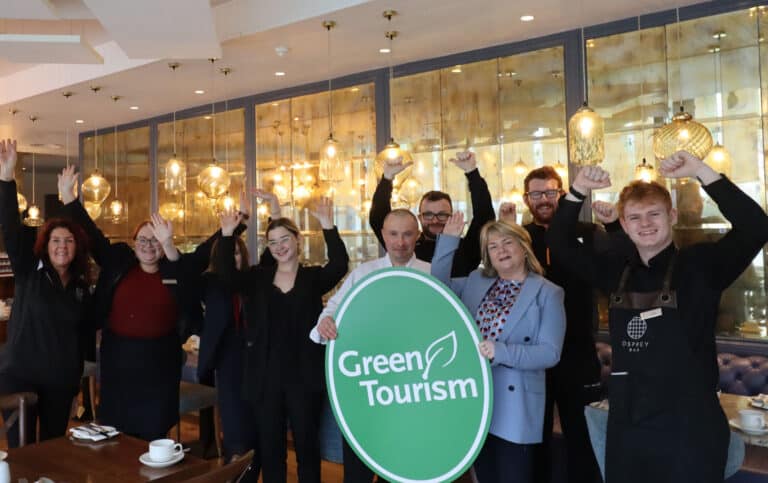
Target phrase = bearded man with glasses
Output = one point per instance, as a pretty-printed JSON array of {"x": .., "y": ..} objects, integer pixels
[
  {"x": 434, "y": 210},
  {"x": 575, "y": 380}
]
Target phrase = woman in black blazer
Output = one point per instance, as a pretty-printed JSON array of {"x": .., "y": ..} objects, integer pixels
[{"x": 284, "y": 378}]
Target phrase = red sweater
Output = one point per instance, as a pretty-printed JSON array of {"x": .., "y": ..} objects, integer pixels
[{"x": 142, "y": 306}]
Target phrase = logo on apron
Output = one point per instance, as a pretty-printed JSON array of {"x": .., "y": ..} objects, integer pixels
[{"x": 636, "y": 329}]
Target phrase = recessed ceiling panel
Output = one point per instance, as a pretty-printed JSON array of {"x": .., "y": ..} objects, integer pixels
[
  {"x": 28, "y": 9},
  {"x": 174, "y": 29},
  {"x": 47, "y": 48}
]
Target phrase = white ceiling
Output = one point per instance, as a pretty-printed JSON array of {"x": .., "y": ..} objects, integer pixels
[{"x": 247, "y": 33}]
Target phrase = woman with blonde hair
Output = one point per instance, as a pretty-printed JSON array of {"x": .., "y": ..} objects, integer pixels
[{"x": 521, "y": 319}]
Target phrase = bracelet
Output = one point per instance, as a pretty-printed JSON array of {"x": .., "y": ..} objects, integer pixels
[{"x": 578, "y": 195}]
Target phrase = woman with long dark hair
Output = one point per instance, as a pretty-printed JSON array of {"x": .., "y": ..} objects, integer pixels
[
  {"x": 44, "y": 351},
  {"x": 284, "y": 378}
]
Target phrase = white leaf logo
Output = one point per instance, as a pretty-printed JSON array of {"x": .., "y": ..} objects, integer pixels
[{"x": 445, "y": 344}]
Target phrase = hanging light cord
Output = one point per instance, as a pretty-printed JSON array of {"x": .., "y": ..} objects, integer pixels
[
  {"x": 213, "y": 111},
  {"x": 226, "y": 120},
  {"x": 328, "y": 26},
  {"x": 174, "y": 67},
  {"x": 66, "y": 143},
  {"x": 679, "y": 64},
  {"x": 95, "y": 149},
  {"x": 642, "y": 85},
  {"x": 584, "y": 67},
  {"x": 116, "y": 194},
  {"x": 33, "y": 177}
]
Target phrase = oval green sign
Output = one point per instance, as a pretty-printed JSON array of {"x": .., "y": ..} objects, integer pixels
[{"x": 409, "y": 390}]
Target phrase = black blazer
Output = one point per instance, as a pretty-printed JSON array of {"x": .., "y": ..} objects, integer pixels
[{"x": 308, "y": 290}]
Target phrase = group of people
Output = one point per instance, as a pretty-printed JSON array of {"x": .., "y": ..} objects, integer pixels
[{"x": 529, "y": 287}]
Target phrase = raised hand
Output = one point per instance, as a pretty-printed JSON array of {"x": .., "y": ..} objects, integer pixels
[
  {"x": 327, "y": 328},
  {"x": 229, "y": 220},
  {"x": 394, "y": 167},
  {"x": 162, "y": 229},
  {"x": 323, "y": 211},
  {"x": 591, "y": 178},
  {"x": 8, "y": 158},
  {"x": 508, "y": 213},
  {"x": 605, "y": 212},
  {"x": 271, "y": 198},
  {"x": 455, "y": 224},
  {"x": 683, "y": 164},
  {"x": 67, "y": 183},
  {"x": 465, "y": 160}
]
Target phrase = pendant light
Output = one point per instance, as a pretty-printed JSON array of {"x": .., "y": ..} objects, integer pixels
[
  {"x": 225, "y": 203},
  {"x": 175, "y": 170},
  {"x": 214, "y": 180},
  {"x": 643, "y": 171},
  {"x": 520, "y": 167},
  {"x": 718, "y": 158},
  {"x": 392, "y": 150},
  {"x": 586, "y": 129},
  {"x": 118, "y": 209},
  {"x": 34, "y": 217},
  {"x": 20, "y": 198},
  {"x": 331, "y": 163},
  {"x": 95, "y": 188},
  {"x": 682, "y": 133}
]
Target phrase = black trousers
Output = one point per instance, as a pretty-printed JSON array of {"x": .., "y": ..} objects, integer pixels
[
  {"x": 54, "y": 403},
  {"x": 355, "y": 470},
  {"x": 570, "y": 397},
  {"x": 302, "y": 409},
  {"x": 502, "y": 461}
]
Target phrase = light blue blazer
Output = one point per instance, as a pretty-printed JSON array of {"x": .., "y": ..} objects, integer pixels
[{"x": 530, "y": 343}]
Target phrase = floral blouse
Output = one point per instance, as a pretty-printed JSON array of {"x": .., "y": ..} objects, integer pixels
[{"x": 494, "y": 309}]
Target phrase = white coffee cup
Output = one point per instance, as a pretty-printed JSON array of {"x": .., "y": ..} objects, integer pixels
[
  {"x": 164, "y": 450},
  {"x": 751, "y": 419},
  {"x": 5, "y": 472}
]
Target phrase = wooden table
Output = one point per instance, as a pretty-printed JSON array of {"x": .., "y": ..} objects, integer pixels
[
  {"x": 755, "y": 457},
  {"x": 111, "y": 461}
]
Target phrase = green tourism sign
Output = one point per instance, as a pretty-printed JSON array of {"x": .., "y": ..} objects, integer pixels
[{"x": 409, "y": 390}]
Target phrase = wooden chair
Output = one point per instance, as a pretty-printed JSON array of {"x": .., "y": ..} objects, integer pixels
[
  {"x": 18, "y": 403},
  {"x": 194, "y": 397},
  {"x": 231, "y": 473}
]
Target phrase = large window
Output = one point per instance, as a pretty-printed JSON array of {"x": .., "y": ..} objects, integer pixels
[
  {"x": 289, "y": 135},
  {"x": 716, "y": 67},
  {"x": 123, "y": 159}
]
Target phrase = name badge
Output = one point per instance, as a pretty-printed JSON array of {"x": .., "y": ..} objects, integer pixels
[
  {"x": 170, "y": 281},
  {"x": 651, "y": 314}
]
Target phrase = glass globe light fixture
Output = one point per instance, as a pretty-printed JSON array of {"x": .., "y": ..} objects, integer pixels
[
  {"x": 224, "y": 204},
  {"x": 645, "y": 172},
  {"x": 171, "y": 210},
  {"x": 93, "y": 209},
  {"x": 175, "y": 176},
  {"x": 331, "y": 164},
  {"x": 411, "y": 191},
  {"x": 586, "y": 137},
  {"x": 34, "y": 217},
  {"x": 398, "y": 201},
  {"x": 22, "y": 201},
  {"x": 682, "y": 134},
  {"x": 513, "y": 196},
  {"x": 389, "y": 155},
  {"x": 719, "y": 159},
  {"x": 95, "y": 188},
  {"x": 562, "y": 171},
  {"x": 213, "y": 181},
  {"x": 117, "y": 212},
  {"x": 520, "y": 167}
]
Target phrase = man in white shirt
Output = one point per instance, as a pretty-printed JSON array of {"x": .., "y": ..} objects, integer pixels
[{"x": 400, "y": 232}]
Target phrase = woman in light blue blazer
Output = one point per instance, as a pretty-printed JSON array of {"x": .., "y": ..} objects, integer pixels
[{"x": 521, "y": 318}]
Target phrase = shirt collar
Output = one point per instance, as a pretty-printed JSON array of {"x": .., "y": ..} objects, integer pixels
[{"x": 388, "y": 261}]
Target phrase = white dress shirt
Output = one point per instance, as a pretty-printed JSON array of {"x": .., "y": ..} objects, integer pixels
[{"x": 356, "y": 275}]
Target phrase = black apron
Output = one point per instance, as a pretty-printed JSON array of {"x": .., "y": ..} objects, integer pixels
[
  {"x": 140, "y": 383},
  {"x": 665, "y": 423}
]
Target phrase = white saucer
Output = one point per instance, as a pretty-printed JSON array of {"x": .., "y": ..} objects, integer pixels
[
  {"x": 754, "y": 432},
  {"x": 145, "y": 460},
  {"x": 3, "y": 455}
]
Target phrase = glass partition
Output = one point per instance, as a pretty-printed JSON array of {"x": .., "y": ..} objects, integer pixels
[
  {"x": 715, "y": 67},
  {"x": 289, "y": 136},
  {"x": 510, "y": 111},
  {"x": 193, "y": 213},
  {"x": 125, "y": 164}
]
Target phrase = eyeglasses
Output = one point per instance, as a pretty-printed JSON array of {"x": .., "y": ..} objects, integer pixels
[
  {"x": 143, "y": 241},
  {"x": 549, "y": 194},
  {"x": 284, "y": 240},
  {"x": 428, "y": 215}
]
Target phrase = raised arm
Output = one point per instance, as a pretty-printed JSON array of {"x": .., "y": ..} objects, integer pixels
[
  {"x": 18, "y": 248},
  {"x": 545, "y": 352},
  {"x": 338, "y": 259},
  {"x": 447, "y": 244},
  {"x": 733, "y": 253},
  {"x": 224, "y": 258},
  {"x": 380, "y": 203},
  {"x": 468, "y": 256}
]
